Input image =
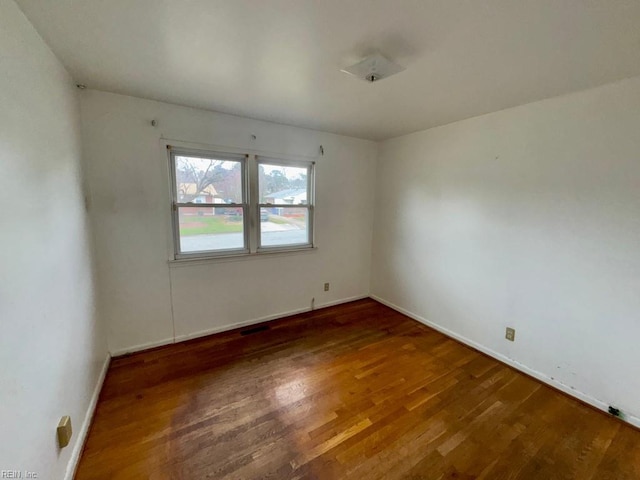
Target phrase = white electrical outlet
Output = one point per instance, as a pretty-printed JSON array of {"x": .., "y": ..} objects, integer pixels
[{"x": 326, "y": 287}]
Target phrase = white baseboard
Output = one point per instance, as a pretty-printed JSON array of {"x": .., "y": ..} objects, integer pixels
[
  {"x": 594, "y": 402},
  {"x": 141, "y": 347},
  {"x": 231, "y": 326},
  {"x": 86, "y": 423},
  {"x": 340, "y": 302},
  {"x": 267, "y": 318}
]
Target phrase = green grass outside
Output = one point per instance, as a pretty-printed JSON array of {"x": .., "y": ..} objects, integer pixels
[{"x": 210, "y": 225}]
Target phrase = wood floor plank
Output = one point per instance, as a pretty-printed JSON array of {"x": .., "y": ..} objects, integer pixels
[{"x": 356, "y": 391}]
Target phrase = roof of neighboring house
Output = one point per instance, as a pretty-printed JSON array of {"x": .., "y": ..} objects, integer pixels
[
  {"x": 186, "y": 188},
  {"x": 293, "y": 192}
]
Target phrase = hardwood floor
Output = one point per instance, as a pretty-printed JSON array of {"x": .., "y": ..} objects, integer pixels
[{"x": 356, "y": 391}]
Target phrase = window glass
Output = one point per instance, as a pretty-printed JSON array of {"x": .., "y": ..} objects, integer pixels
[
  {"x": 208, "y": 180},
  {"x": 213, "y": 213},
  {"x": 284, "y": 226},
  {"x": 283, "y": 185},
  {"x": 210, "y": 228}
]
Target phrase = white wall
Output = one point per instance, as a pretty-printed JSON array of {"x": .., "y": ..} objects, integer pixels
[
  {"x": 528, "y": 217},
  {"x": 52, "y": 350},
  {"x": 144, "y": 299}
]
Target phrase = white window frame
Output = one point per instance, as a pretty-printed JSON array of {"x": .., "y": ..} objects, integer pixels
[
  {"x": 250, "y": 206},
  {"x": 309, "y": 166}
]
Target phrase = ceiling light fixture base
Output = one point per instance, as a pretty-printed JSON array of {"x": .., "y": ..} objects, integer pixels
[{"x": 373, "y": 68}]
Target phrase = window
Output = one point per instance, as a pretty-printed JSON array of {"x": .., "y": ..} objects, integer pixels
[
  {"x": 284, "y": 190},
  {"x": 229, "y": 204}
]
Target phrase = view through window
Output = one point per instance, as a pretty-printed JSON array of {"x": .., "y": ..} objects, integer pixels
[
  {"x": 212, "y": 209},
  {"x": 284, "y": 205}
]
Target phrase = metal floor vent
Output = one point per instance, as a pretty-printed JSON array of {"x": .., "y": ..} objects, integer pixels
[{"x": 251, "y": 331}]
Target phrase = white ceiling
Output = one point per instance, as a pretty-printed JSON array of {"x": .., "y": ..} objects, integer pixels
[{"x": 280, "y": 60}]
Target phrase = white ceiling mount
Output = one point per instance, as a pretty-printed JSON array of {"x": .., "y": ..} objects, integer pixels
[{"x": 373, "y": 68}]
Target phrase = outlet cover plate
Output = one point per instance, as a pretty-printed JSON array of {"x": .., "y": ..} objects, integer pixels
[
  {"x": 511, "y": 334},
  {"x": 64, "y": 431}
]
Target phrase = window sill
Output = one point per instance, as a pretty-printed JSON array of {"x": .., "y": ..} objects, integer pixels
[{"x": 186, "y": 262}]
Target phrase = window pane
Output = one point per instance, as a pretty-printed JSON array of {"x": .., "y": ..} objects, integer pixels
[
  {"x": 206, "y": 180},
  {"x": 280, "y": 185},
  {"x": 284, "y": 226},
  {"x": 210, "y": 228}
]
